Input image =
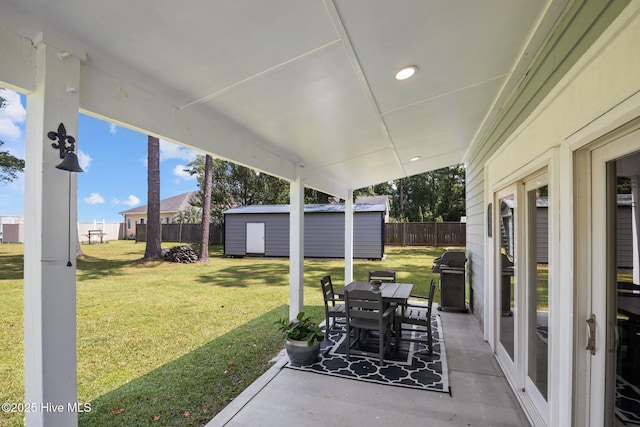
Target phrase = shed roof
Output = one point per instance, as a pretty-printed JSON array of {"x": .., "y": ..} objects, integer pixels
[{"x": 311, "y": 208}]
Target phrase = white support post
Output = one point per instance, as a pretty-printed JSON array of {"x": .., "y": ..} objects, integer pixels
[
  {"x": 296, "y": 244},
  {"x": 348, "y": 237},
  {"x": 635, "y": 223},
  {"x": 50, "y": 206}
]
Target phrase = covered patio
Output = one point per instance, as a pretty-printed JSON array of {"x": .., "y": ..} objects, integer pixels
[
  {"x": 480, "y": 394},
  {"x": 308, "y": 92}
]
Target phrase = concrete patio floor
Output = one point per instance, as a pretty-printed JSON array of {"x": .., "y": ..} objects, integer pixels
[{"x": 480, "y": 395}]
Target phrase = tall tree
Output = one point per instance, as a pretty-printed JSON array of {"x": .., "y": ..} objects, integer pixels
[
  {"x": 10, "y": 165},
  {"x": 206, "y": 210},
  {"x": 315, "y": 196},
  {"x": 432, "y": 196},
  {"x": 153, "y": 249},
  {"x": 236, "y": 185},
  {"x": 438, "y": 194}
]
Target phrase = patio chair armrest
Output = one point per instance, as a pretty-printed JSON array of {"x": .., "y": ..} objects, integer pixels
[{"x": 418, "y": 296}]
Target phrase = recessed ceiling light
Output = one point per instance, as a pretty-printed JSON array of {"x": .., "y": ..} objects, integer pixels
[
  {"x": 414, "y": 158},
  {"x": 406, "y": 72}
]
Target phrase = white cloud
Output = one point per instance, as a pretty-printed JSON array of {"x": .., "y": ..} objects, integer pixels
[
  {"x": 113, "y": 128},
  {"x": 169, "y": 150},
  {"x": 94, "y": 199},
  {"x": 11, "y": 115},
  {"x": 131, "y": 201},
  {"x": 179, "y": 171},
  {"x": 84, "y": 160}
]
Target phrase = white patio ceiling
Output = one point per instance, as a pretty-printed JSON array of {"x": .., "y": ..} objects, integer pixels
[{"x": 275, "y": 84}]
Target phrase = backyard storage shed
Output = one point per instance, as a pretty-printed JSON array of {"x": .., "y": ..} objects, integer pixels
[{"x": 264, "y": 230}]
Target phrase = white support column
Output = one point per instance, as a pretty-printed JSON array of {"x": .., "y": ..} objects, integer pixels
[
  {"x": 296, "y": 244},
  {"x": 348, "y": 237},
  {"x": 49, "y": 284},
  {"x": 635, "y": 223}
]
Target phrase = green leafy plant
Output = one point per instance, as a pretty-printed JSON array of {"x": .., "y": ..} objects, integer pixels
[{"x": 300, "y": 329}]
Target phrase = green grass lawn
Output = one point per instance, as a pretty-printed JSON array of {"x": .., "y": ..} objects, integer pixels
[{"x": 172, "y": 344}]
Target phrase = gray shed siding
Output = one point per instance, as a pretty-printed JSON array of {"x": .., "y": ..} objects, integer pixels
[
  {"x": 276, "y": 233},
  {"x": 542, "y": 235},
  {"x": 324, "y": 234},
  {"x": 625, "y": 237}
]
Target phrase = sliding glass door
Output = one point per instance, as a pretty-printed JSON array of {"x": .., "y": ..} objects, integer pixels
[
  {"x": 523, "y": 326},
  {"x": 615, "y": 283},
  {"x": 506, "y": 290},
  {"x": 537, "y": 325}
]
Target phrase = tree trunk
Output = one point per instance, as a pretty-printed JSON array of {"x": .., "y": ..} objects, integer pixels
[
  {"x": 206, "y": 210},
  {"x": 153, "y": 249}
]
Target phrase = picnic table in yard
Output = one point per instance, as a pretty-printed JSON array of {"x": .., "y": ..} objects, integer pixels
[{"x": 96, "y": 233}]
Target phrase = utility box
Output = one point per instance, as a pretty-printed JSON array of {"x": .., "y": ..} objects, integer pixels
[{"x": 451, "y": 266}]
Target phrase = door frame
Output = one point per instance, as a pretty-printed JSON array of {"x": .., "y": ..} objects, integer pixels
[
  {"x": 530, "y": 250},
  {"x": 606, "y": 130},
  {"x": 508, "y": 364},
  {"x": 600, "y": 405},
  {"x": 547, "y": 164},
  {"x": 264, "y": 227}
]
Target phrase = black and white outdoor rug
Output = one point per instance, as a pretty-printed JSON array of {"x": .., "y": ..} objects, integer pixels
[
  {"x": 412, "y": 366},
  {"x": 627, "y": 401}
]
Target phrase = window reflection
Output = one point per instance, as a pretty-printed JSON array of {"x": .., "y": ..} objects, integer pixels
[
  {"x": 538, "y": 287},
  {"x": 627, "y": 289},
  {"x": 507, "y": 286}
]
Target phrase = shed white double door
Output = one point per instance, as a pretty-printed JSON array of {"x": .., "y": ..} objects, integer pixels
[{"x": 255, "y": 238}]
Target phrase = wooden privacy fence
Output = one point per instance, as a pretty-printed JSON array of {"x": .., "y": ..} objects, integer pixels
[
  {"x": 185, "y": 233},
  {"x": 426, "y": 233},
  {"x": 396, "y": 233}
]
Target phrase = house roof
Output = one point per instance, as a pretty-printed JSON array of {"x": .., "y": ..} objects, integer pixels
[
  {"x": 171, "y": 204},
  {"x": 311, "y": 208}
]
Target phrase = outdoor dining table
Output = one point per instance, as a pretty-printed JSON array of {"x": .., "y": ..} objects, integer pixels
[{"x": 397, "y": 293}]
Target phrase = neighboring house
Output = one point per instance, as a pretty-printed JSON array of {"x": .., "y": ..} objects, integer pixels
[
  {"x": 264, "y": 230},
  {"x": 168, "y": 209},
  {"x": 374, "y": 200}
]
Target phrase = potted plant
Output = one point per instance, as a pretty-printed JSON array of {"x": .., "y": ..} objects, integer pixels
[{"x": 303, "y": 338}]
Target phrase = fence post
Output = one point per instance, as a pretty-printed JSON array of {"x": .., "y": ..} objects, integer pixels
[{"x": 435, "y": 233}]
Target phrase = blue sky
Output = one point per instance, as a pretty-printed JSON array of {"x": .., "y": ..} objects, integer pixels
[{"x": 114, "y": 160}]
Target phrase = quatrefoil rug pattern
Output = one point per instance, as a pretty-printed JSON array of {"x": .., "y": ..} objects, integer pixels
[{"x": 411, "y": 366}]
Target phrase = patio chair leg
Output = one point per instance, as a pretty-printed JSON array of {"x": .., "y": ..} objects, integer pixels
[{"x": 429, "y": 337}]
